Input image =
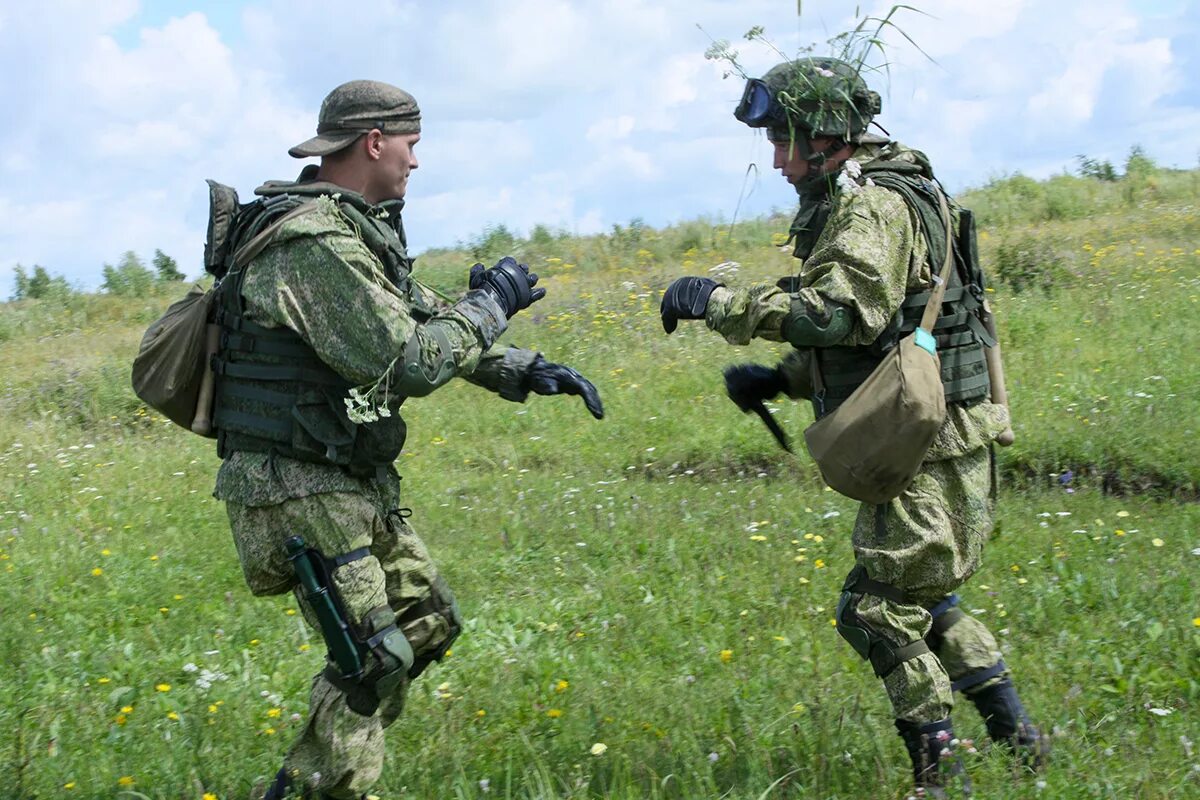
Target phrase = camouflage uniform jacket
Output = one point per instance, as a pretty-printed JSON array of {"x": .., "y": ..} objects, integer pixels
[
  {"x": 319, "y": 278},
  {"x": 868, "y": 256}
]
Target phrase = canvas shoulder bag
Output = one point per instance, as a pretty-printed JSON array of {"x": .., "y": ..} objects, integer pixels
[{"x": 871, "y": 447}]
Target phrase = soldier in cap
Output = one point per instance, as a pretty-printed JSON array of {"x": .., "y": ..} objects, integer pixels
[
  {"x": 869, "y": 234},
  {"x": 325, "y": 333}
]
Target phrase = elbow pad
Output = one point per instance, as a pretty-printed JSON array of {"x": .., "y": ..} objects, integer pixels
[
  {"x": 802, "y": 329},
  {"x": 418, "y": 377}
]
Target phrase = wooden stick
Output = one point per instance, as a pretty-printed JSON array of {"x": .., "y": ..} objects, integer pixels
[
  {"x": 202, "y": 421},
  {"x": 995, "y": 367}
]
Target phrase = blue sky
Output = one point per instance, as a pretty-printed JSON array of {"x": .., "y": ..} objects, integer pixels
[{"x": 577, "y": 115}]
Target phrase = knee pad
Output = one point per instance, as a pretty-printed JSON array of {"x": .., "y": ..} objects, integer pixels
[{"x": 872, "y": 646}]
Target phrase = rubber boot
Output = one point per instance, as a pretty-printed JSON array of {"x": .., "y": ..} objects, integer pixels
[
  {"x": 937, "y": 769},
  {"x": 1009, "y": 725}
]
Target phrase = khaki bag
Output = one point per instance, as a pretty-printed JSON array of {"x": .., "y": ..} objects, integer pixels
[
  {"x": 171, "y": 362},
  {"x": 871, "y": 447}
]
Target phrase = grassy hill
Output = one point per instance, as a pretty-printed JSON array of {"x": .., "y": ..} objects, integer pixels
[{"x": 662, "y": 581}]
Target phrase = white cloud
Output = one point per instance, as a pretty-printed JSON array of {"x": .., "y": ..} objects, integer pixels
[{"x": 575, "y": 115}]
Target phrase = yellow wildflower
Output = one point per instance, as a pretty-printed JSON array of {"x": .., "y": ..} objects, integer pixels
[
  {"x": 561, "y": 686},
  {"x": 125, "y": 780},
  {"x": 162, "y": 687},
  {"x": 554, "y": 713},
  {"x": 599, "y": 749},
  {"x": 726, "y": 656}
]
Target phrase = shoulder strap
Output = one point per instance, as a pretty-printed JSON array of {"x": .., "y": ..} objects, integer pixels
[
  {"x": 934, "y": 306},
  {"x": 257, "y": 243}
]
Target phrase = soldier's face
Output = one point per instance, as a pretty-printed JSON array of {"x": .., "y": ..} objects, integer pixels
[
  {"x": 396, "y": 160},
  {"x": 791, "y": 164}
]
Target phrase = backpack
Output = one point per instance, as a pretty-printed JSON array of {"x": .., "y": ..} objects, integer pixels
[{"x": 172, "y": 369}]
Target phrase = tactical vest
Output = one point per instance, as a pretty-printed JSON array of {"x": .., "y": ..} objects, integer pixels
[
  {"x": 959, "y": 331},
  {"x": 273, "y": 393}
]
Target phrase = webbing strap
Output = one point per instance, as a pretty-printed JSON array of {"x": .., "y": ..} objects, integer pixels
[
  {"x": 423, "y": 608},
  {"x": 941, "y": 608},
  {"x": 865, "y": 584},
  {"x": 275, "y": 372},
  {"x": 978, "y": 677},
  {"x": 265, "y": 427},
  {"x": 272, "y": 345},
  {"x": 281, "y": 399},
  {"x": 346, "y": 558}
]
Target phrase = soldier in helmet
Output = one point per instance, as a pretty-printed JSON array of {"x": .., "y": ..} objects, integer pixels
[
  {"x": 325, "y": 333},
  {"x": 868, "y": 233}
]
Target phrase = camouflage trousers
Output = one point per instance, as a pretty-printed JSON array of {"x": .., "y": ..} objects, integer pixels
[
  {"x": 926, "y": 543},
  {"x": 339, "y": 751}
]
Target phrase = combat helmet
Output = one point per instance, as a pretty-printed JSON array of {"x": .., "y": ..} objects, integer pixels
[{"x": 818, "y": 96}]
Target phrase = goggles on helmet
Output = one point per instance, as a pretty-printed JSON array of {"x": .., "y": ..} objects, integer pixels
[{"x": 758, "y": 107}]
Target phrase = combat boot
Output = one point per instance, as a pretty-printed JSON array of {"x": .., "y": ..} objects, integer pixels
[
  {"x": 1009, "y": 725},
  {"x": 936, "y": 767}
]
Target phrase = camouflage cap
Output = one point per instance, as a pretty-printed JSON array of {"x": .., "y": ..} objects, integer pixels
[{"x": 356, "y": 107}]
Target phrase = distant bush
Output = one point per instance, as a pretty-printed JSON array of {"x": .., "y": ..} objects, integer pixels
[
  {"x": 130, "y": 278},
  {"x": 167, "y": 269},
  {"x": 1027, "y": 262},
  {"x": 40, "y": 285}
]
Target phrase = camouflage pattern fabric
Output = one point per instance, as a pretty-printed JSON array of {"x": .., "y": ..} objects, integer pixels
[
  {"x": 318, "y": 277},
  {"x": 339, "y": 751},
  {"x": 928, "y": 541}
]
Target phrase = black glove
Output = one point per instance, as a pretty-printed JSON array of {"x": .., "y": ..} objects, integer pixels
[
  {"x": 686, "y": 298},
  {"x": 749, "y": 385},
  {"x": 510, "y": 283},
  {"x": 546, "y": 377}
]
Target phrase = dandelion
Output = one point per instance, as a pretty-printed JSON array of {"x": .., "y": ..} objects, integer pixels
[
  {"x": 126, "y": 709},
  {"x": 480, "y": 714},
  {"x": 1196, "y": 622},
  {"x": 561, "y": 686},
  {"x": 103, "y": 681},
  {"x": 274, "y": 713},
  {"x": 819, "y": 563},
  {"x": 173, "y": 716},
  {"x": 554, "y": 713},
  {"x": 208, "y": 796},
  {"x": 162, "y": 687},
  {"x": 599, "y": 749},
  {"x": 125, "y": 780},
  {"x": 97, "y": 571},
  {"x": 69, "y": 785},
  {"x": 726, "y": 656}
]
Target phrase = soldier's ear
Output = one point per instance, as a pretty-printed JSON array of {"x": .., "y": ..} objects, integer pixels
[{"x": 373, "y": 144}]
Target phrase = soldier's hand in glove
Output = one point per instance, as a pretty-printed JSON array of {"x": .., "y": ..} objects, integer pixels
[
  {"x": 685, "y": 298},
  {"x": 509, "y": 283},
  {"x": 749, "y": 385},
  {"x": 546, "y": 378}
]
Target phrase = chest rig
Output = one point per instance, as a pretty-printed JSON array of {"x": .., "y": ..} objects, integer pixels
[
  {"x": 273, "y": 393},
  {"x": 959, "y": 330}
]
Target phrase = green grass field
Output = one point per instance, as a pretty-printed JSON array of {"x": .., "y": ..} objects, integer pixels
[{"x": 649, "y": 597}]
